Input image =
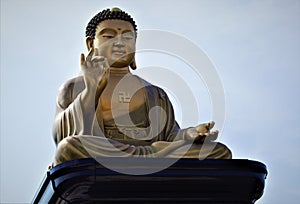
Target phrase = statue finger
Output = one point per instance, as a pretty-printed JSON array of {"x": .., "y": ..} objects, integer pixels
[
  {"x": 215, "y": 132},
  {"x": 200, "y": 137},
  {"x": 208, "y": 136},
  {"x": 203, "y": 134},
  {"x": 210, "y": 125},
  {"x": 202, "y": 128},
  {"x": 96, "y": 52},
  {"x": 98, "y": 58},
  {"x": 88, "y": 64},
  {"x": 82, "y": 59},
  {"x": 90, "y": 54},
  {"x": 212, "y": 137}
]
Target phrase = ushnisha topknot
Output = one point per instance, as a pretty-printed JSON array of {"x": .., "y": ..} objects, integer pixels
[{"x": 113, "y": 13}]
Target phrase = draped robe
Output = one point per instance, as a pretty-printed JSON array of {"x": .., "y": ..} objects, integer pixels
[{"x": 78, "y": 138}]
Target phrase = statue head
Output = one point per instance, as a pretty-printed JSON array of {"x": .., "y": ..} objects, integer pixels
[
  {"x": 113, "y": 32},
  {"x": 114, "y": 13}
]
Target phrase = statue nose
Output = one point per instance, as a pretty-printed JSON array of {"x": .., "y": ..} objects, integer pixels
[{"x": 118, "y": 41}]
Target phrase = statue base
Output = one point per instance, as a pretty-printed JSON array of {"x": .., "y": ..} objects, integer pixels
[{"x": 186, "y": 181}]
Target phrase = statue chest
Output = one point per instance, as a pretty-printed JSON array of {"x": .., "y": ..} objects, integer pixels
[{"x": 122, "y": 96}]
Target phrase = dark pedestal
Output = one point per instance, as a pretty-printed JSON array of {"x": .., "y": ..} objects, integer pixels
[{"x": 186, "y": 181}]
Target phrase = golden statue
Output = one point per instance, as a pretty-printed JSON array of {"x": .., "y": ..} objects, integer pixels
[{"x": 110, "y": 107}]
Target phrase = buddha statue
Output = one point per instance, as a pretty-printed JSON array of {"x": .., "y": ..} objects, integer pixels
[{"x": 109, "y": 107}]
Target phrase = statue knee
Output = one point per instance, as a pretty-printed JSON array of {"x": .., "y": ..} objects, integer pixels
[
  {"x": 69, "y": 148},
  {"x": 209, "y": 150},
  {"x": 221, "y": 151},
  {"x": 66, "y": 144}
]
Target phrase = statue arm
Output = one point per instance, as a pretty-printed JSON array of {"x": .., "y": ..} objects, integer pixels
[
  {"x": 69, "y": 112},
  {"x": 78, "y": 98},
  {"x": 171, "y": 131}
]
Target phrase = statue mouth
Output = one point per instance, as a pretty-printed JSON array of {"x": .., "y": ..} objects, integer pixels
[{"x": 119, "y": 52}]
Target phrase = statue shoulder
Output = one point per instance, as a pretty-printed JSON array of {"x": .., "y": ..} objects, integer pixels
[
  {"x": 69, "y": 90},
  {"x": 161, "y": 93}
]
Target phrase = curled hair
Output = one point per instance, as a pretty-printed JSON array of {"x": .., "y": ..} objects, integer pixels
[{"x": 114, "y": 13}]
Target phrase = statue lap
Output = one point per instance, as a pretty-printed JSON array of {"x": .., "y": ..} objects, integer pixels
[{"x": 78, "y": 146}]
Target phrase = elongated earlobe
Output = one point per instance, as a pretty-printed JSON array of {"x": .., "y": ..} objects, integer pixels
[
  {"x": 133, "y": 64},
  {"x": 89, "y": 42}
]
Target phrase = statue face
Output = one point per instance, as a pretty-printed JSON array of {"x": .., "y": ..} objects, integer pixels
[{"x": 115, "y": 40}]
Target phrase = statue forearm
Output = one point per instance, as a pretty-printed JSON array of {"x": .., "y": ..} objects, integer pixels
[
  {"x": 64, "y": 124},
  {"x": 72, "y": 120},
  {"x": 76, "y": 102}
]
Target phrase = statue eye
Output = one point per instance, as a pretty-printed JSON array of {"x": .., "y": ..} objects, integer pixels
[
  {"x": 128, "y": 36},
  {"x": 107, "y": 36}
]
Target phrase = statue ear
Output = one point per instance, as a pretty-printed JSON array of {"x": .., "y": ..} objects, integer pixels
[
  {"x": 133, "y": 64},
  {"x": 89, "y": 42}
]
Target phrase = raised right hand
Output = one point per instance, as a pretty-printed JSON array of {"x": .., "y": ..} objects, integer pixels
[{"x": 95, "y": 70}]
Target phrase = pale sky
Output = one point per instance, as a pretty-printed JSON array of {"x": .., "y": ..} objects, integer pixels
[{"x": 254, "y": 46}]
